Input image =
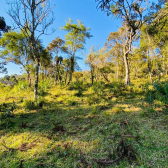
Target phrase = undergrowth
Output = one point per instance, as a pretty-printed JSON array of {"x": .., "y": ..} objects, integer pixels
[{"x": 82, "y": 125}]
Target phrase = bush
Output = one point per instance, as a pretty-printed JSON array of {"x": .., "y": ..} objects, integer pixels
[
  {"x": 29, "y": 104},
  {"x": 117, "y": 88},
  {"x": 43, "y": 86},
  {"x": 22, "y": 85},
  {"x": 92, "y": 100},
  {"x": 99, "y": 88},
  {"x": 158, "y": 92},
  {"x": 71, "y": 103},
  {"x": 79, "y": 86}
]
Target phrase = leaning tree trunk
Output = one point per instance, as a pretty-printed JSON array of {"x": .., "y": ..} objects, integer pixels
[
  {"x": 36, "y": 81},
  {"x": 105, "y": 77},
  {"x": 127, "y": 71}
]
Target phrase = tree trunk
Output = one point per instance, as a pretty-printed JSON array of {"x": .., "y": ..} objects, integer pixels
[
  {"x": 66, "y": 77},
  {"x": 117, "y": 74},
  {"x": 29, "y": 79},
  {"x": 105, "y": 77},
  {"x": 150, "y": 75},
  {"x": 92, "y": 74},
  {"x": 70, "y": 77},
  {"x": 149, "y": 69},
  {"x": 92, "y": 77},
  {"x": 56, "y": 75},
  {"x": 36, "y": 81},
  {"x": 127, "y": 71},
  {"x": 164, "y": 65},
  {"x": 71, "y": 68}
]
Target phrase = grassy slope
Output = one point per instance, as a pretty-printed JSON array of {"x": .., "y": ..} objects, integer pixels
[{"x": 91, "y": 128}]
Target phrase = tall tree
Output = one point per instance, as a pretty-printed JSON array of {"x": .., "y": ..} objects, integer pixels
[
  {"x": 91, "y": 61},
  {"x": 132, "y": 15},
  {"x": 45, "y": 61},
  {"x": 75, "y": 40},
  {"x": 157, "y": 30},
  {"x": 56, "y": 47},
  {"x": 36, "y": 20},
  {"x": 115, "y": 50}
]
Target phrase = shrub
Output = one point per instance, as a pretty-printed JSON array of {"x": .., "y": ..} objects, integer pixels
[
  {"x": 92, "y": 100},
  {"x": 43, "y": 86},
  {"x": 99, "y": 88},
  {"x": 40, "y": 102},
  {"x": 79, "y": 86},
  {"x": 158, "y": 92},
  {"x": 117, "y": 109},
  {"x": 93, "y": 110},
  {"x": 71, "y": 103},
  {"x": 29, "y": 104},
  {"x": 22, "y": 85}
]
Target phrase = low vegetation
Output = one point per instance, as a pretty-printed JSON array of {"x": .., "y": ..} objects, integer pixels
[{"x": 106, "y": 125}]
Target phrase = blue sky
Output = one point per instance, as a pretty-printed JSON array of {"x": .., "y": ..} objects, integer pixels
[{"x": 84, "y": 10}]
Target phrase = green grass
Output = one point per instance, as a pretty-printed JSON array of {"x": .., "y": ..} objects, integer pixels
[{"x": 91, "y": 123}]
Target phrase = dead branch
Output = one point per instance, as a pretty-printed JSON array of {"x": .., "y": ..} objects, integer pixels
[
  {"x": 22, "y": 147},
  {"x": 107, "y": 162}
]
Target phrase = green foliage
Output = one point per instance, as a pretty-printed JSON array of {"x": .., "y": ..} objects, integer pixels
[
  {"x": 7, "y": 123},
  {"x": 71, "y": 103},
  {"x": 158, "y": 92},
  {"x": 29, "y": 105},
  {"x": 91, "y": 99},
  {"x": 93, "y": 110},
  {"x": 22, "y": 85},
  {"x": 99, "y": 88},
  {"x": 117, "y": 88},
  {"x": 43, "y": 86},
  {"x": 76, "y": 34}
]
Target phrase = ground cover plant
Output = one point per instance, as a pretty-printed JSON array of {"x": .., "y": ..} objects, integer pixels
[{"x": 114, "y": 130}]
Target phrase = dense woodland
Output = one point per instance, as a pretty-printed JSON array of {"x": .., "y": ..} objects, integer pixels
[{"x": 57, "y": 115}]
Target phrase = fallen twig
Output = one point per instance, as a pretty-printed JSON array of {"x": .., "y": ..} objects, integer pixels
[
  {"x": 107, "y": 162},
  {"x": 22, "y": 147}
]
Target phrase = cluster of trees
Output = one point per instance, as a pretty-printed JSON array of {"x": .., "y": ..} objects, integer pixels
[
  {"x": 119, "y": 58},
  {"x": 24, "y": 47},
  {"x": 140, "y": 20}
]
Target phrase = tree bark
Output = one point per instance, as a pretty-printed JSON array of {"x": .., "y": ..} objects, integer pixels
[
  {"x": 164, "y": 65},
  {"x": 71, "y": 69},
  {"x": 92, "y": 77},
  {"x": 28, "y": 78},
  {"x": 36, "y": 81},
  {"x": 127, "y": 71},
  {"x": 149, "y": 69},
  {"x": 105, "y": 77}
]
